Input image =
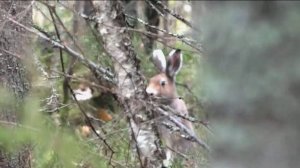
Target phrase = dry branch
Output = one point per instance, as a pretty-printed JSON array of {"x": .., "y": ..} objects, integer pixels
[
  {"x": 99, "y": 70},
  {"x": 185, "y": 40},
  {"x": 162, "y": 6}
]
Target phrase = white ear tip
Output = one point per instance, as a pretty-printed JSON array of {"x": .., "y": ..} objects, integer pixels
[
  {"x": 159, "y": 59},
  {"x": 158, "y": 53},
  {"x": 172, "y": 52}
]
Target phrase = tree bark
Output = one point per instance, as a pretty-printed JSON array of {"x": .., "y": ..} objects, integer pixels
[
  {"x": 130, "y": 86},
  {"x": 13, "y": 48}
]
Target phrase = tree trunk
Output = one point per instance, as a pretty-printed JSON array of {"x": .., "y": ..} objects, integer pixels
[
  {"x": 130, "y": 89},
  {"x": 13, "y": 48}
]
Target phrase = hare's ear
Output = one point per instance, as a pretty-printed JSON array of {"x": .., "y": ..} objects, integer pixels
[
  {"x": 159, "y": 60},
  {"x": 174, "y": 63}
]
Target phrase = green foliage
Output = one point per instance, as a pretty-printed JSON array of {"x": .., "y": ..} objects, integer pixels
[{"x": 52, "y": 146}]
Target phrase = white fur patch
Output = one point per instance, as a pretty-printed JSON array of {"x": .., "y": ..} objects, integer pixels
[
  {"x": 171, "y": 53},
  {"x": 103, "y": 31},
  {"x": 159, "y": 56},
  {"x": 150, "y": 90},
  {"x": 83, "y": 95},
  {"x": 180, "y": 63},
  {"x": 168, "y": 160}
]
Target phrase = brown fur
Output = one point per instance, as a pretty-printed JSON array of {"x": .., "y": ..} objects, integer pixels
[{"x": 168, "y": 92}]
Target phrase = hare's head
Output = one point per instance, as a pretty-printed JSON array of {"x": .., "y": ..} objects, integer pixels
[{"x": 163, "y": 84}]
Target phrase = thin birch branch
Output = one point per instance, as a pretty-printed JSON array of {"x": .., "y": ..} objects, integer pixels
[
  {"x": 185, "y": 40},
  {"x": 172, "y": 13},
  {"x": 155, "y": 8},
  {"x": 190, "y": 135},
  {"x": 101, "y": 71}
]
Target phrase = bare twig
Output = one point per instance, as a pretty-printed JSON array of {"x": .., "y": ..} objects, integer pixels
[
  {"x": 204, "y": 123},
  {"x": 187, "y": 41},
  {"x": 184, "y": 39},
  {"x": 83, "y": 80},
  {"x": 190, "y": 91},
  {"x": 190, "y": 134},
  {"x": 12, "y": 54},
  {"x": 179, "y": 153},
  {"x": 52, "y": 12},
  {"x": 155, "y": 8},
  {"x": 171, "y": 12},
  {"x": 18, "y": 125},
  {"x": 167, "y": 108},
  {"x": 104, "y": 72}
]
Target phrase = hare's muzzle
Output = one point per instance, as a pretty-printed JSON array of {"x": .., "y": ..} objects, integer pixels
[{"x": 150, "y": 91}]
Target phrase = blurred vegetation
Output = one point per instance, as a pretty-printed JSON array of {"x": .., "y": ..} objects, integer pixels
[{"x": 250, "y": 79}]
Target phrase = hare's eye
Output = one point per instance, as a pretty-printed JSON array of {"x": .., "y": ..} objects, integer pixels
[{"x": 163, "y": 83}]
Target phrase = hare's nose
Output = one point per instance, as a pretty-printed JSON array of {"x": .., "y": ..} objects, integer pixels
[{"x": 150, "y": 91}]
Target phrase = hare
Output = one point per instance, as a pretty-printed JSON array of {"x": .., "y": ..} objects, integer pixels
[{"x": 163, "y": 86}]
